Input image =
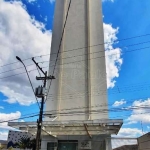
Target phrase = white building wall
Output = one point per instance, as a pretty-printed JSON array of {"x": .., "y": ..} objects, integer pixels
[
  {"x": 144, "y": 142},
  {"x": 80, "y": 71}
]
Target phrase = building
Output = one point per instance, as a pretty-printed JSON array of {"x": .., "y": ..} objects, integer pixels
[
  {"x": 144, "y": 142},
  {"x": 80, "y": 70},
  {"x": 79, "y": 91},
  {"x": 127, "y": 147},
  {"x": 3, "y": 144},
  {"x": 77, "y": 99}
]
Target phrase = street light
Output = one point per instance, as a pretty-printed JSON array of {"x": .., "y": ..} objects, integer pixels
[{"x": 19, "y": 59}]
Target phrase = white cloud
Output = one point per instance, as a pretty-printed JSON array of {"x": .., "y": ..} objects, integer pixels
[
  {"x": 148, "y": 127},
  {"x": 11, "y": 116},
  {"x": 130, "y": 132},
  {"x": 124, "y": 137},
  {"x": 52, "y": 1},
  {"x": 14, "y": 97},
  {"x": 6, "y": 117},
  {"x": 119, "y": 103},
  {"x": 121, "y": 142},
  {"x": 113, "y": 56},
  {"x": 3, "y": 135},
  {"x": 23, "y": 36},
  {"x": 107, "y": 0},
  {"x": 141, "y": 112},
  {"x": 31, "y": 1},
  {"x": 27, "y": 37},
  {"x": 1, "y": 107}
]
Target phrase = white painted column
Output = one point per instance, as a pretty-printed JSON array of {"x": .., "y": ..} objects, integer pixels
[{"x": 80, "y": 84}]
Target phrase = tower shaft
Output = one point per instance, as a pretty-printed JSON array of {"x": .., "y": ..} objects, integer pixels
[{"x": 79, "y": 90}]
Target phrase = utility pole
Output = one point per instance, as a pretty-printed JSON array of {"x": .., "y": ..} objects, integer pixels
[{"x": 40, "y": 93}]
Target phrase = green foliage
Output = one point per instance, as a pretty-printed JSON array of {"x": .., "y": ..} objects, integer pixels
[
  {"x": 25, "y": 142},
  {"x": 1, "y": 147}
]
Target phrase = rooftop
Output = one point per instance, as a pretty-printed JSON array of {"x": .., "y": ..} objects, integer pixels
[{"x": 76, "y": 127}]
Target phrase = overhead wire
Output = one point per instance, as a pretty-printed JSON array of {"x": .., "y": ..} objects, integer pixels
[
  {"x": 77, "y": 55},
  {"x": 113, "y": 109},
  {"x": 60, "y": 44},
  {"x": 21, "y": 73},
  {"x": 81, "y": 113},
  {"x": 79, "y": 61},
  {"x": 118, "y": 40},
  {"x": 102, "y": 92},
  {"x": 102, "y": 56},
  {"x": 98, "y": 51},
  {"x": 18, "y": 118},
  {"x": 21, "y": 67}
]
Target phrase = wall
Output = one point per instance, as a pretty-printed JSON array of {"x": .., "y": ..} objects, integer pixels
[
  {"x": 97, "y": 142},
  {"x": 144, "y": 142},
  {"x": 80, "y": 70}
]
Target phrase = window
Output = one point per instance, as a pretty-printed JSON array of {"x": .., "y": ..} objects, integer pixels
[{"x": 51, "y": 146}]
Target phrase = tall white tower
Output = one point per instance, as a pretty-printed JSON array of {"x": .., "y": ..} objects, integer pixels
[
  {"x": 78, "y": 95},
  {"x": 79, "y": 90}
]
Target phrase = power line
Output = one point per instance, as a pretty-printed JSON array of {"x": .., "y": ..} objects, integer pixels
[
  {"x": 119, "y": 40},
  {"x": 94, "y": 58},
  {"x": 21, "y": 73},
  {"x": 59, "y": 45},
  {"x": 114, "y": 109},
  {"x": 101, "y": 50},
  {"x": 72, "y": 56},
  {"x": 71, "y": 113},
  {"x": 21, "y": 67},
  {"x": 79, "y": 60},
  {"x": 104, "y": 56},
  {"x": 97, "y": 111},
  {"x": 18, "y": 118},
  {"x": 68, "y": 97},
  {"x": 93, "y": 111}
]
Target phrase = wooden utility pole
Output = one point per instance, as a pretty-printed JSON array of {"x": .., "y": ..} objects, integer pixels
[{"x": 40, "y": 93}]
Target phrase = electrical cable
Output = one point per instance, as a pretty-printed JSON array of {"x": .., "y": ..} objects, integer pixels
[
  {"x": 21, "y": 73},
  {"x": 94, "y": 58},
  {"x": 119, "y": 40},
  {"x": 18, "y": 119},
  {"x": 76, "y": 55},
  {"x": 93, "y": 111},
  {"x": 99, "y": 51},
  {"x": 103, "y": 56},
  {"x": 81, "y": 61},
  {"x": 60, "y": 45},
  {"x": 64, "y": 114},
  {"x": 21, "y": 67}
]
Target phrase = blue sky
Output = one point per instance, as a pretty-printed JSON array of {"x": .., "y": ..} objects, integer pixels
[{"x": 29, "y": 23}]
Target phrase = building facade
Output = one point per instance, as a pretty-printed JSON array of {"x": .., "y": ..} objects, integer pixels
[
  {"x": 79, "y": 92},
  {"x": 144, "y": 142},
  {"x": 80, "y": 69},
  {"x": 76, "y": 108}
]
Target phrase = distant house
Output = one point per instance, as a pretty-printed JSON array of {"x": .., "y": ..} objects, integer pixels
[
  {"x": 3, "y": 144},
  {"x": 127, "y": 147},
  {"x": 144, "y": 142}
]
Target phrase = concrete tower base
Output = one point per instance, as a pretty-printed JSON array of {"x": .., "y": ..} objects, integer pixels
[{"x": 99, "y": 142}]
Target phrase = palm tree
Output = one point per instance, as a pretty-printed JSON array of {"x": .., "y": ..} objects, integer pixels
[{"x": 25, "y": 142}]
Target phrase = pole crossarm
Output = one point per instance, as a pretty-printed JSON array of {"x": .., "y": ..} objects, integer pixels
[
  {"x": 38, "y": 66},
  {"x": 47, "y": 78}
]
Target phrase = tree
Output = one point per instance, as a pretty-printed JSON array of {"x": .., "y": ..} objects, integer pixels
[{"x": 25, "y": 142}]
